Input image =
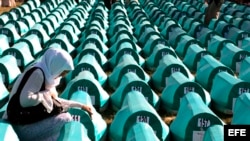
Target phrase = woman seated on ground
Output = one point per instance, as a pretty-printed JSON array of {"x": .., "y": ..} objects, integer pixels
[{"x": 34, "y": 109}]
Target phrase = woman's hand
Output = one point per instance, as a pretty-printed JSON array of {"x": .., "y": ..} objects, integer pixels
[{"x": 87, "y": 109}]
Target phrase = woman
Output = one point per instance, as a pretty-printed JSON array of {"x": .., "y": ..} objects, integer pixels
[
  {"x": 31, "y": 109},
  {"x": 213, "y": 10}
]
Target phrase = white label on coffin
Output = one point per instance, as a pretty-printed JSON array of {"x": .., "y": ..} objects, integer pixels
[
  {"x": 92, "y": 99},
  {"x": 238, "y": 64},
  {"x": 233, "y": 104},
  {"x": 198, "y": 135},
  {"x": 3, "y": 78},
  {"x": 19, "y": 62}
]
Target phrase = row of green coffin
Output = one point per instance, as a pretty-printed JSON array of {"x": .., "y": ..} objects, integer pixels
[
  {"x": 31, "y": 41},
  {"x": 139, "y": 116},
  {"x": 234, "y": 34},
  {"x": 224, "y": 104},
  {"x": 199, "y": 121},
  {"x": 168, "y": 17},
  {"x": 19, "y": 11},
  {"x": 224, "y": 49},
  {"x": 228, "y": 31},
  {"x": 15, "y": 29},
  {"x": 143, "y": 29},
  {"x": 91, "y": 49},
  {"x": 24, "y": 23}
]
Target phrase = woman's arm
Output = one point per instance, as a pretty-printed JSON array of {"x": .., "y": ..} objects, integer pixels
[
  {"x": 70, "y": 104},
  {"x": 31, "y": 94}
]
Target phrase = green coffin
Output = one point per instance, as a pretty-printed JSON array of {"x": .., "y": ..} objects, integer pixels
[
  {"x": 207, "y": 68},
  {"x": 131, "y": 82},
  {"x": 157, "y": 54},
  {"x": 10, "y": 31},
  {"x": 96, "y": 125},
  {"x": 214, "y": 133},
  {"x": 126, "y": 64},
  {"x": 167, "y": 66},
  {"x": 244, "y": 72},
  {"x": 92, "y": 49},
  {"x": 225, "y": 89},
  {"x": 216, "y": 44},
  {"x": 240, "y": 111},
  {"x": 135, "y": 108},
  {"x": 9, "y": 69},
  {"x": 193, "y": 119},
  {"x": 193, "y": 56},
  {"x": 177, "y": 85},
  {"x": 184, "y": 43},
  {"x": 232, "y": 56},
  {"x": 72, "y": 131},
  {"x": 85, "y": 81},
  {"x": 88, "y": 62},
  {"x": 22, "y": 54},
  {"x": 7, "y": 132}
]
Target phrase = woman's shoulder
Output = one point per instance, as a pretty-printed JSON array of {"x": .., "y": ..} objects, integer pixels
[{"x": 35, "y": 71}]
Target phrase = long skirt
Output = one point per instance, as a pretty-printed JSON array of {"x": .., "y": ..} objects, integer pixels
[{"x": 45, "y": 130}]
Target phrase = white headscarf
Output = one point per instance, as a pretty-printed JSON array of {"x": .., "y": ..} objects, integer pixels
[{"x": 53, "y": 62}]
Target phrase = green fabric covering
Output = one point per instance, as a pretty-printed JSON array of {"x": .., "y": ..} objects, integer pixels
[
  {"x": 198, "y": 118},
  {"x": 7, "y": 132},
  {"x": 244, "y": 72},
  {"x": 193, "y": 56},
  {"x": 126, "y": 64},
  {"x": 240, "y": 111},
  {"x": 177, "y": 85},
  {"x": 9, "y": 69},
  {"x": 232, "y": 56},
  {"x": 207, "y": 68},
  {"x": 72, "y": 131},
  {"x": 96, "y": 125},
  {"x": 168, "y": 65},
  {"x": 214, "y": 133},
  {"x": 135, "y": 109},
  {"x": 141, "y": 131},
  {"x": 225, "y": 88},
  {"x": 131, "y": 82},
  {"x": 89, "y": 62},
  {"x": 157, "y": 54},
  {"x": 85, "y": 81}
]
